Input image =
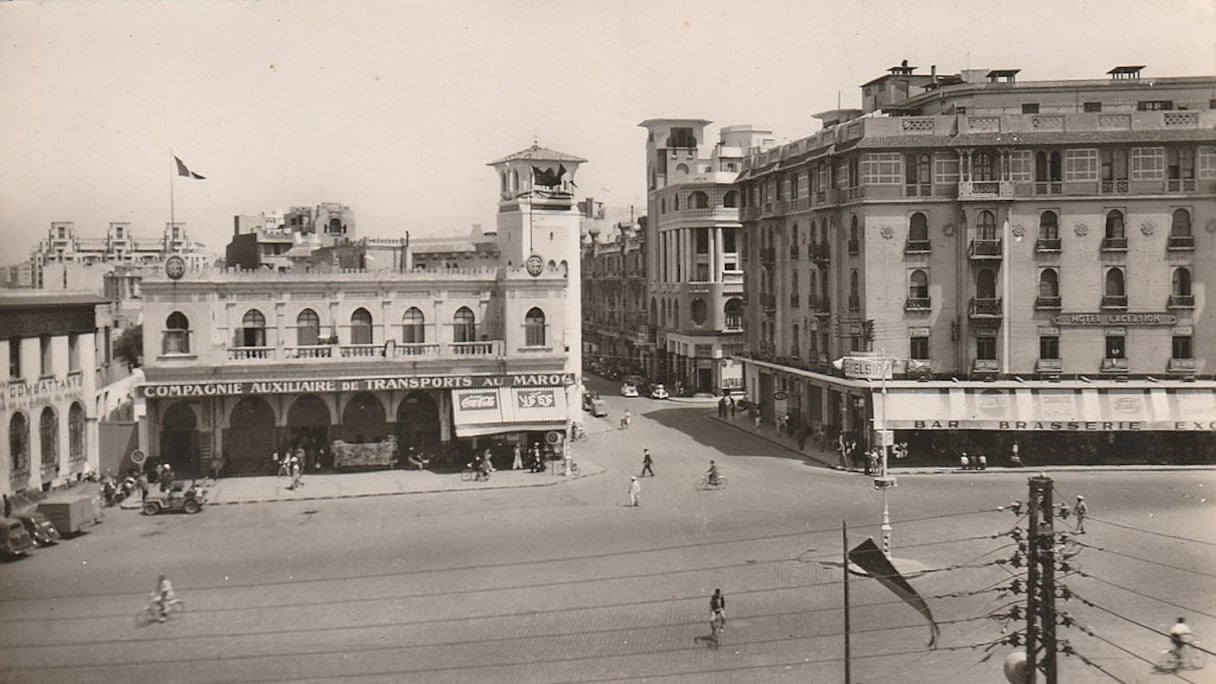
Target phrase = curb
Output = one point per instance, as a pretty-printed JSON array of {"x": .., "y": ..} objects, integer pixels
[{"x": 775, "y": 442}]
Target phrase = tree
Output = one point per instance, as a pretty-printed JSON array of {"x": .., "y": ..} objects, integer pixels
[{"x": 130, "y": 346}]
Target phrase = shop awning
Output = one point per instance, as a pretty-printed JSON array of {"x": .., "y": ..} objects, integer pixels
[
  {"x": 508, "y": 409},
  {"x": 1066, "y": 409}
]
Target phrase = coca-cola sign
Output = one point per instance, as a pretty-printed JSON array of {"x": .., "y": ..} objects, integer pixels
[{"x": 479, "y": 401}]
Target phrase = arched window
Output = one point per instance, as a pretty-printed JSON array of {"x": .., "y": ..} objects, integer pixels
[
  {"x": 681, "y": 168},
  {"x": 308, "y": 328},
  {"x": 1049, "y": 226},
  {"x": 918, "y": 228},
  {"x": 48, "y": 431},
  {"x": 918, "y": 285},
  {"x": 413, "y": 330},
  {"x": 464, "y": 326},
  {"x": 730, "y": 200},
  {"x": 794, "y": 288},
  {"x": 985, "y": 284},
  {"x": 361, "y": 327},
  {"x": 253, "y": 330},
  {"x": 534, "y": 328},
  {"x": 853, "y": 284},
  {"x": 854, "y": 231},
  {"x": 177, "y": 334},
  {"x": 1114, "y": 283},
  {"x": 699, "y": 311},
  {"x": 1180, "y": 226},
  {"x": 76, "y": 432},
  {"x": 698, "y": 200},
  {"x": 675, "y": 315},
  {"x": 19, "y": 444},
  {"x": 1181, "y": 282},
  {"x": 1114, "y": 225},
  {"x": 1049, "y": 283},
  {"x": 985, "y": 226},
  {"x": 733, "y": 312}
]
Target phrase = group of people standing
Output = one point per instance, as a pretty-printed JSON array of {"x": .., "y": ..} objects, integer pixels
[{"x": 291, "y": 465}]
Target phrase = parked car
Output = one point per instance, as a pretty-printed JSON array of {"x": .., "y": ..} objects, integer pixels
[
  {"x": 14, "y": 540},
  {"x": 588, "y": 397},
  {"x": 41, "y": 530},
  {"x": 658, "y": 392},
  {"x": 182, "y": 496},
  {"x": 599, "y": 407},
  {"x": 629, "y": 390},
  {"x": 72, "y": 511}
]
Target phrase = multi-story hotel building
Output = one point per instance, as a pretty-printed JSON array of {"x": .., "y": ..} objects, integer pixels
[
  {"x": 356, "y": 365},
  {"x": 66, "y": 261},
  {"x": 1033, "y": 257},
  {"x": 616, "y": 335},
  {"x": 694, "y": 270},
  {"x": 57, "y": 346}
]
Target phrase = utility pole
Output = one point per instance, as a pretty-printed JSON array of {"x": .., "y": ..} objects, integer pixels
[{"x": 1041, "y": 583}]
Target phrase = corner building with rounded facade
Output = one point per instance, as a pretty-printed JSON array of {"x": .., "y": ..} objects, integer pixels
[
  {"x": 1034, "y": 257},
  {"x": 355, "y": 367}
]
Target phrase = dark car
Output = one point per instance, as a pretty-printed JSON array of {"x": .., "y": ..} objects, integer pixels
[
  {"x": 14, "y": 540},
  {"x": 41, "y": 530}
]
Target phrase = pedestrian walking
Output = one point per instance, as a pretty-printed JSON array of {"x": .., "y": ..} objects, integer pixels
[
  {"x": 1080, "y": 510},
  {"x": 625, "y": 418},
  {"x": 297, "y": 479},
  {"x": 635, "y": 491},
  {"x": 1015, "y": 461},
  {"x": 517, "y": 462},
  {"x": 646, "y": 463},
  {"x": 142, "y": 483},
  {"x": 8, "y": 507},
  {"x": 872, "y": 462},
  {"x": 722, "y": 407},
  {"x": 733, "y": 407},
  {"x": 963, "y": 461}
]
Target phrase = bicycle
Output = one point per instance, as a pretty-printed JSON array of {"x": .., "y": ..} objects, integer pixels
[
  {"x": 174, "y": 608},
  {"x": 1185, "y": 657},
  {"x": 578, "y": 434},
  {"x": 704, "y": 484}
]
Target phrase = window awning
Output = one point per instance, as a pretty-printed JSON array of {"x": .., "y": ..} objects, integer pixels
[
  {"x": 508, "y": 409},
  {"x": 1067, "y": 409}
]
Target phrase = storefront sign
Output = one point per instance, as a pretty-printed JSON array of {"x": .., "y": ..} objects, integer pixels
[
  {"x": 423, "y": 382},
  {"x": 1060, "y": 426},
  {"x": 867, "y": 368},
  {"x": 18, "y": 395},
  {"x": 1104, "y": 319}
]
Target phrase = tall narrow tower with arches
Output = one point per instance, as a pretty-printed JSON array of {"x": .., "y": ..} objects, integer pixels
[{"x": 538, "y": 227}]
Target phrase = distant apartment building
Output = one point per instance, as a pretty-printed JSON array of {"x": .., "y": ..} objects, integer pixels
[
  {"x": 694, "y": 266},
  {"x": 274, "y": 240},
  {"x": 67, "y": 261},
  {"x": 1033, "y": 256},
  {"x": 616, "y": 327}
]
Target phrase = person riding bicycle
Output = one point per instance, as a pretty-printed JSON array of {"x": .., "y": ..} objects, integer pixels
[
  {"x": 1180, "y": 634},
  {"x": 164, "y": 594},
  {"x": 717, "y": 607},
  {"x": 712, "y": 473}
]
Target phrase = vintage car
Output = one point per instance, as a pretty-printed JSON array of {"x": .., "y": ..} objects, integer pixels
[
  {"x": 182, "y": 496},
  {"x": 658, "y": 392},
  {"x": 629, "y": 390},
  {"x": 14, "y": 540},
  {"x": 39, "y": 527}
]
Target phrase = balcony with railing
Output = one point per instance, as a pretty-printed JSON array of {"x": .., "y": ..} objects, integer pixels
[
  {"x": 985, "y": 367},
  {"x": 824, "y": 307},
  {"x": 1048, "y": 188},
  {"x": 854, "y": 304},
  {"x": 309, "y": 351},
  {"x": 917, "y": 247},
  {"x": 854, "y": 247},
  {"x": 1182, "y": 366},
  {"x": 821, "y": 252},
  {"x": 1113, "y": 187},
  {"x": 1180, "y": 185},
  {"x": 985, "y": 190},
  {"x": 326, "y": 353},
  {"x": 856, "y": 193},
  {"x": 918, "y": 190},
  {"x": 250, "y": 353},
  {"x": 1114, "y": 244},
  {"x": 1047, "y": 245},
  {"x": 985, "y": 248},
  {"x": 918, "y": 304},
  {"x": 1181, "y": 301},
  {"x": 1181, "y": 243},
  {"x": 1047, "y": 303},
  {"x": 985, "y": 307},
  {"x": 1114, "y": 302},
  {"x": 1114, "y": 366}
]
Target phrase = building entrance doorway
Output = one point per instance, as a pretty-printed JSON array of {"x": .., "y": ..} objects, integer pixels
[
  {"x": 250, "y": 437},
  {"x": 179, "y": 439}
]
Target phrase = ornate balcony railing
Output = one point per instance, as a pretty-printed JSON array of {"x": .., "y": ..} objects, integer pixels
[
  {"x": 1048, "y": 303},
  {"x": 1114, "y": 244},
  {"x": 1182, "y": 366},
  {"x": 249, "y": 353},
  {"x": 1113, "y": 187},
  {"x": 985, "y": 248},
  {"x": 918, "y": 304},
  {"x": 1114, "y": 301},
  {"x": 1116, "y": 366},
  {"x": 1049, "y": 366},
  {"x": 1181, "y": 301},
  {"x": 1180, "y": 185},
  {"x": 918, "y": 190},
  {"x": 1048, "y": 188},
  {"x": 1047, "y": 245},
  {"x": 917, "y": 247},
  {"x": 309, "y": 351},
  {"x": 985, "y": 307},
  {"x": 1181, "y": 243}
]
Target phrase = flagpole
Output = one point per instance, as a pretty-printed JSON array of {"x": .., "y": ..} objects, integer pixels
[
  {"x": 172, "y": 173},
  {"x": 844, "y": 534}
]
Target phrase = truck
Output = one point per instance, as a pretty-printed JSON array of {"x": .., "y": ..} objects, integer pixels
[{"x": 71, "y": 512}]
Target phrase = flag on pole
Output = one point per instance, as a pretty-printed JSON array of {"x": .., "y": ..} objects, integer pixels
[
  {"x": 183, "y": 171},
  {"x": 870, "y": 558}
]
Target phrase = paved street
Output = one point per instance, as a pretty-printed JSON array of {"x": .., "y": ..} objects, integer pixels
[{"x": 567, "y": 583}]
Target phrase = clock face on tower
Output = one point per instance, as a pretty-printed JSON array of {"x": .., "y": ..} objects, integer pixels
[
  {"x": 175, "y": 267},
  {"x": 534, "y": 265}
]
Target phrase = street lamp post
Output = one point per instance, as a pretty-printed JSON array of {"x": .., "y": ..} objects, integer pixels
[{"x": 885, "y": 438}]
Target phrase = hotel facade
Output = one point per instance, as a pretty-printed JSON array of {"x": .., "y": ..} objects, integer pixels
[
  {"x": 973, "y": 261},
  {"x": 357, "y": 366}
]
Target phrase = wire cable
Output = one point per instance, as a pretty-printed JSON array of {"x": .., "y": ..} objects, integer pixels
[
  {"x": 1142, "y": 560},
  {"x": 1088, "y": 630},
  {"x": 1112, "y": 523},
  {"x": 1137, "y": 623},
  {"x": 1143, "y": 595}
]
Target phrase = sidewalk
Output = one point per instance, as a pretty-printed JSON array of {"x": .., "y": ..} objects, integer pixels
[
  {"x": 831, "y": 459},
  {"x": 245, "y": 490}
]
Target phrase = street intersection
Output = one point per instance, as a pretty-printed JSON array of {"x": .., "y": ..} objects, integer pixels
[{"x": 567, "y": 583}]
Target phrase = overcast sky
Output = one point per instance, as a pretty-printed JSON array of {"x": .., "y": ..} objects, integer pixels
[{"x": 394, "y": 108}]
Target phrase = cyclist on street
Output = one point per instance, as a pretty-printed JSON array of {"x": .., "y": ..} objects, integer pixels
[
  {"x": 164, "y": 594},
  {"x": 713, "y": 474},
  {"x": 1180, "y": 634}
]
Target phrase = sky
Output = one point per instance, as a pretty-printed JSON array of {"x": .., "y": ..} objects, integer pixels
[{"x": 395, "y": 108}]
